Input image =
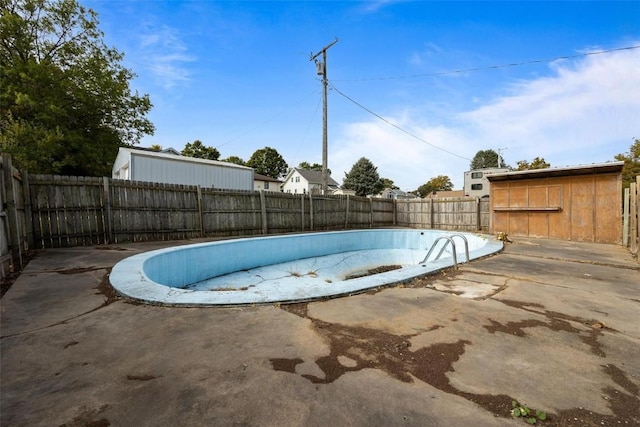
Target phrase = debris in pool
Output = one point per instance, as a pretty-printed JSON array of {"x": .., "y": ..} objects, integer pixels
[
  {"x": 372, "y": 271},
  {"x": 244, "y": 288}
]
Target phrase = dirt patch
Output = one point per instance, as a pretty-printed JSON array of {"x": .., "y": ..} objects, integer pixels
[
  {"x": 372, "y": 271},
  {"x": 78, "y": 270},
  {"x": 145, "y": 377},
  {"x": 89, "y": 418},
  {"x": 107, "y": 290}
]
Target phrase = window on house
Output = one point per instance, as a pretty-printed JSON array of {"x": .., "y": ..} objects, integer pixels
[
  {"x": 297, "y": 179},
  {"x": 476, "y": 175},
  {"x": 266, "y": 185},
  {"x": 476, "y": 186}
]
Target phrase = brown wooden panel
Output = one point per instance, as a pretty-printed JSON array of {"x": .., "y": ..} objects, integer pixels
[
  {"x": 560, "y": 223},
  {"x": 539, "y": 221},
  {"x": 519, "y": 223},
  {"x": 608, "y": 202},
  {"x": 518, "y": 196},
  {"x": 500, "y": 195},
  {"x": 582, "y": 211}
]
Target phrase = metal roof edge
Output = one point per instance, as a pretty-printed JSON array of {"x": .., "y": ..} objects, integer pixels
[
  {"x": 595, "y": 168},
  {"x": 184, "y": 158}
]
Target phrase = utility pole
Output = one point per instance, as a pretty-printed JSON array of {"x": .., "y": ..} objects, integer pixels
[
  {"x": 500, "y": 150},
  {"x": 322, "y": 71}
]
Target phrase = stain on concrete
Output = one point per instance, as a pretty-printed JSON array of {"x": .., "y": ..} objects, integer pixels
[
  {"x": 89, "y": 418},
  {"x": 144, "y": 377},
  {"x": 78, "y": 270},
  {"x": 374, "y": 349}
]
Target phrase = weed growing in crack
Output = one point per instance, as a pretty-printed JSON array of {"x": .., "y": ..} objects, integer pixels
[{"x": 531, "y": 416}]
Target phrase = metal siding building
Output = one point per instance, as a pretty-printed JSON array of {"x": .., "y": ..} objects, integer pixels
[{"x": 151, "y": 166}]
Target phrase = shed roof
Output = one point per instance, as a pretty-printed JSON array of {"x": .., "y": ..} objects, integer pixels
[
  {"x": 593, "y": 169},
  {"x": 180, "y": 158},
  {"x": 259, "y": 177}
]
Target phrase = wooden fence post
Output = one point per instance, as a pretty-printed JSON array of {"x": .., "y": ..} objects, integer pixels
[
  {"x": 431, "y": 214},
  {"x": 107, "y": 208},
  {"x": 311, "y": 211},
  {"x": 625, "y": 218},
  {"x": 478, "y": 219},
  {"x": 302, "y": 212},
  {"x": 28, "y": 214},
  {"x": 634, "y": 218},
  {"x": 200, "y": 212},
  {"x": 14, "y": 237},
  {"x": 370, "y": 212},
  {"x": 263, "y": 211},
  {"x": 346, "y": 219}
]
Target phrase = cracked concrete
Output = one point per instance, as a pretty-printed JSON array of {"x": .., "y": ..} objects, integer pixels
[{"x": 551, "y": 324}]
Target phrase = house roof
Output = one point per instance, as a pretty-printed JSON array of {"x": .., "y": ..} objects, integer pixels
[
  {"x": 593, "y": 169},
  {"x": 315, "y": 177},
  {"x": 260, "y": 177},
  {"x": 180, "y": 158}
]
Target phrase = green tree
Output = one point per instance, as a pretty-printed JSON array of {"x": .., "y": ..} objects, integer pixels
[
  {"x": 65, "y": 101},
  {"x": 234, "y": 159},
  {"x": 537, "y": 163},
  {"x": 313, "y": 167},
  {"x": 267, "y": 161},
  {"x": 388, "y": 183},
  {"x": 155, "y": 147},
  {"x": 198, "y": 150},
  {"x": 438, "y": 183},
  {"x": 631, "y": 160},
  {"x": 486, "y": 159},
  {"x": 363, "y": 178}
]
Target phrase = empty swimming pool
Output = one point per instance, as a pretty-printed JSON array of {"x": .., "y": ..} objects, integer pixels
[{"x": 289, "y": 268}]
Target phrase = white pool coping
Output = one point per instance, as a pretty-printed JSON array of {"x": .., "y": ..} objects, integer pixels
[{"x": 286, "y": 268}]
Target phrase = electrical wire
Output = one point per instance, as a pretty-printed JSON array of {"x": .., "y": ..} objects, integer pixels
[
  {"x": 306, "y": 132},
  {"x": 259, "y": 125},
  {"x": 492, "y": 67},
  {"x": 394, "y": 125}
]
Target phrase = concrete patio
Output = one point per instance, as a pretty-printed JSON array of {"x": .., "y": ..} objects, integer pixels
[{"x": 554, "y": 325}]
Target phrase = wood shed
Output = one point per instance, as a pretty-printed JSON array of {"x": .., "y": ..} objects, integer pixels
[{"x": 580, "y": 203}]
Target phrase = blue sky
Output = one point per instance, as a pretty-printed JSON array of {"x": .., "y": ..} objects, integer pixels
[{"x": 237, "y": 76}]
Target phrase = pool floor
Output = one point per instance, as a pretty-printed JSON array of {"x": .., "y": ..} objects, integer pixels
[{"x": 317, "y": 272}]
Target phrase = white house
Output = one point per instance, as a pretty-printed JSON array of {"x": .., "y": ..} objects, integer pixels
[
  {"x": 163, "y": 166},
  {"x": 395, "y": 194},
  {"x": 302, "y": 181},
  {"x": 476, "y": 183},
  {"x": 266, "y": 183}
]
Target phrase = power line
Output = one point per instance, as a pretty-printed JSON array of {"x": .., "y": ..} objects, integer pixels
[
  {"x": 268, "y": 119},
  {"x": 396, "y": 126},
  {"x": 491, "y": 67}
]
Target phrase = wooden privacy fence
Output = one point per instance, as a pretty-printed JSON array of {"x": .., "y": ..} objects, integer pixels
[
  {"x": 463, "y": 213},
  {"x": 78, "y": 211},
  {"x": 14, "y": 217}
]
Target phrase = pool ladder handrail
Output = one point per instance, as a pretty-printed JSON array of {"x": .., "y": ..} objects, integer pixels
[{"x": 449, "y": 239}]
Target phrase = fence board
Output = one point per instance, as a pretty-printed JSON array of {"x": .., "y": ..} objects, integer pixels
[{"x": 70, "y": 211}]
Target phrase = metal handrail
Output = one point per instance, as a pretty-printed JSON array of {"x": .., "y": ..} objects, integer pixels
[
  {"x": 433, "y": 246},
  {"x": 466, "y": 244}
]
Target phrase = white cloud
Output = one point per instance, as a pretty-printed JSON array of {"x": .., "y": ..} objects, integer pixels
[
  {"x": 166, "y": 55},
  {"x": 585, "y": 111}
]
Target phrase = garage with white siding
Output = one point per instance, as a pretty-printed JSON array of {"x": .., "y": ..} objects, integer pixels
[{"x": 167, "y": 167}]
